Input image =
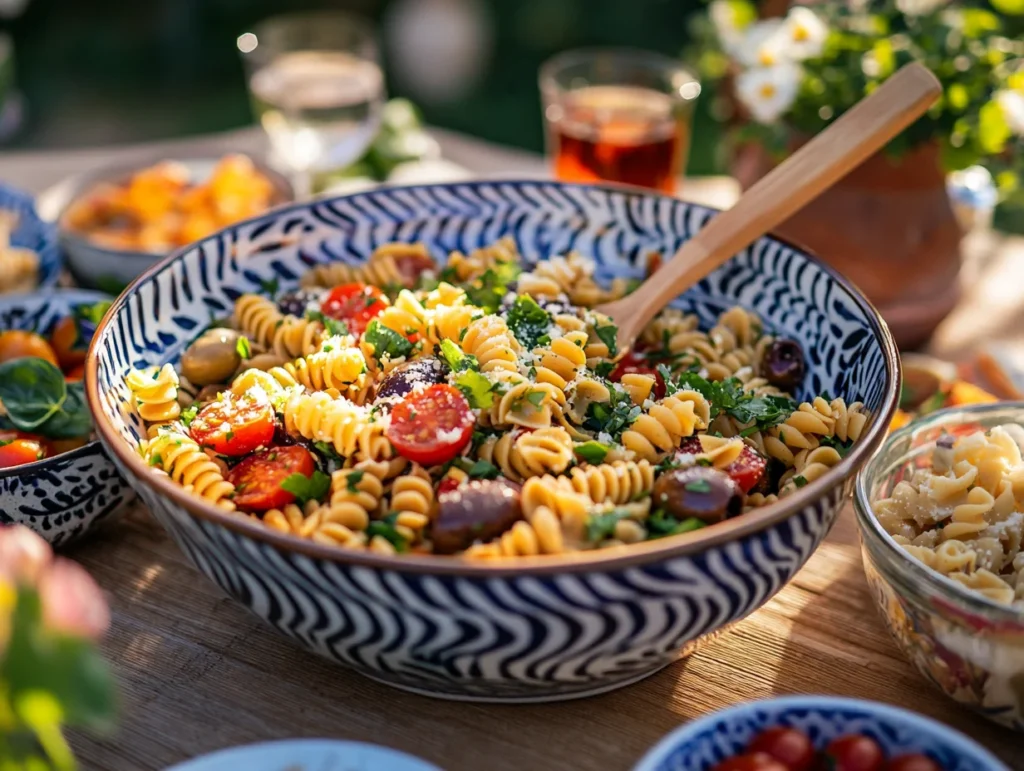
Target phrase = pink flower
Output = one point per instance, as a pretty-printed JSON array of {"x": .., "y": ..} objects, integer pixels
[
  {"x": 72, "y": 602},
  {"x": 23, "y": 555}
]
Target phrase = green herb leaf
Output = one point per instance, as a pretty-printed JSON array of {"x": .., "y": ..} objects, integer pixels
[
  {"x": 386, "y": 342},
  {"x": 728, "y": 396},
  {"x": 483, "y": 469},
  {"x": 608, "y": 334},
  {"x": 334, "y": 327},
  {"x": 536, "y": 398},
  {"x": 528, "y": 321},
  {"x": 72, "y": 419},
  {"x": 604, "y": 368},
  {"x": 592, "y": 452},
  {"x": 327, "y": 450},
  {"x": 799, "y": 481},
  {"x": 660, "y": 524},
  {"x": 385, "y": 528},
  {"x": 305, "y": 488},
  {"x": 457, "y": 359},
  {"x": 189, "y": 414},
  {"x": 270, "y": 286},
  {"x": 32, "y": 391},
  {"x": 698, "y": 486},
  {"x": 612, "y": 417},
  {"x": 487, "y": 291},
  {"x": 242, "y": 348},
  {"x": 476, "y": 388},
  {"x": 602, "y": 526},
  {"x": 839, "y": 446},
  {"x": 352, "y": 480}
]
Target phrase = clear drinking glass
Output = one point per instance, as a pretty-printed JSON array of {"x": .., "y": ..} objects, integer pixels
[
  {"x": 317, "y": 87},
  {"x": 618, "y": 115}
]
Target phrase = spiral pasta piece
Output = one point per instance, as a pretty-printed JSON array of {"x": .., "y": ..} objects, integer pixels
[
  {"x": 380, "y": 270},
  {"x": 667, "y": 423},
  {"x": 356, "y": 494},
  {"x": 540, "y": 534},
  {"x": 490, "y": 341},
  {"x": 178, "y": 455},
  {"x": 479, "y": 261},
  {"x": 339, "y": 364},
  {"x": 339, "y": 422},
  {"x": 287, "y": 336},
  {"x": 527, "y": 454},
  {"x": 617, "y": 483},
  {"x": 562, "y": 360},
  {"x": 156, "y": 393},
  {"x": 412, "y": 501}
]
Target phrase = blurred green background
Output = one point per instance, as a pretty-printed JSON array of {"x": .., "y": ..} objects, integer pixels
[{"x": 109, "y": 72}]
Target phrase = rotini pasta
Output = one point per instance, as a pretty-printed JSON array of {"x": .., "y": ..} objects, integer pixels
[{"x": 156, "y": 393}]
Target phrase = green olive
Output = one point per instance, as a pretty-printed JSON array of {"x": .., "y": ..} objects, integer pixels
[{"x": 212, "y": 358}]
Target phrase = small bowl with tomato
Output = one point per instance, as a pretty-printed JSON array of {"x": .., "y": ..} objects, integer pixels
[
  {"x": 816, "y": 733},
  {"x": 55, "y": 477}
]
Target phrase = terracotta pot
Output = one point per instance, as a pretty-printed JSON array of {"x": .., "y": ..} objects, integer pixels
[{"x": 889, "y": 227}]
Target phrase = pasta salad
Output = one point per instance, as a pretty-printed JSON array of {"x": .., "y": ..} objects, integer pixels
[
  {"x": 959, "y": 514},
  {"x": 482, "y": 408}
]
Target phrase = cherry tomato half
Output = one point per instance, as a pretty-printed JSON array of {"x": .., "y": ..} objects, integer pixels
[
  {"x": 746, "y": 471},
  {"x": 446, "y": 485},
  {"x": 912, "y": 763},
  {"x": 789, "y": 746},
  {"x": 431, "y": 426},
  {"x": 68, "y": 344},
  {"x": 258, "y": 478},
  {"x": 753, "y": 761},
  {"x": 18, "y": 452},
  {"x": 17, "y": 344},
  {"x": 634, "y": 363},
  {"x": 854, "y": 753},
  {"x": 355, "y": 304},
  {"x": 234, "y": 426}
]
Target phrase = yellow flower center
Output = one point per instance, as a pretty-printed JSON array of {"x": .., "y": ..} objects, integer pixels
[
  {"x": 766, "y": 58},
  {"x": 800, "y": 33},
  {"x": 767, "y": 91}
]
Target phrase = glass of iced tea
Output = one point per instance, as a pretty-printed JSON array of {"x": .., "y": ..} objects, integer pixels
[{"x": 618, "y": 115}]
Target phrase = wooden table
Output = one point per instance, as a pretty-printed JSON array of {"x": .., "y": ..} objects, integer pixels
[{"x": 197, "y": 672}]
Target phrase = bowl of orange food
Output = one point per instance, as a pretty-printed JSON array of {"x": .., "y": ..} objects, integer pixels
[{"x": 118, "y": 222}]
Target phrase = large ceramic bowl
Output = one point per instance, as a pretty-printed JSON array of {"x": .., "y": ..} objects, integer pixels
[
  {"x": 109, "y": 269},
  {"x": 32, "y": 232},
  {"x": 544, "y": 628},
  {"x": 700, "y": 744},
  {"x": 969, "y": 646},
  {"x": 63, "y": 497}
]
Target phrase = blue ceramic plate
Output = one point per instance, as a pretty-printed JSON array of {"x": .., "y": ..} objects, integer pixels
[
  {"x": 701, "y": 743},
  {"x": 63, "y": 497},
  {"x": 307, "y": 755},
  {"x": 33, "y": 233}
]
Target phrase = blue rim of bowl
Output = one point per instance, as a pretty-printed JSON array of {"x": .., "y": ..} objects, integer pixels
[
  {"x": 48, "y": 246},
  {"x": 960, "y": 742},
  {"x": 83, "y": 183},
  {"x": 635, "y": 554},
  {"x": 872, "y": 528},
  {"x": 89, "y": 447}
]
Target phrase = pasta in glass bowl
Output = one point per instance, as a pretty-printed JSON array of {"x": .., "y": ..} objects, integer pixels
[
  {"x": 941, "y": 521},
  {"x": 406, "y": 441}
]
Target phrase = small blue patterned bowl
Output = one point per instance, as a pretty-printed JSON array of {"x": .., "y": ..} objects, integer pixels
[
  {"x": 551, "y": 627},
  {"x": 62, "y": 497},
  {"x": 33, "y": 233},
  {"x": 701, "y": 743}
]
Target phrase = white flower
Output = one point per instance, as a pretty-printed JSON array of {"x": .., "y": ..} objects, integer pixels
[
  {"x": 806, "y": 34},
  {"x": 763, "y": 44},
  {"x": 919, "y": 7},
  {"x": 1012, "y": 103},
  {"x": 727, "y": 27},
  {"x": 767, "y": 92}
]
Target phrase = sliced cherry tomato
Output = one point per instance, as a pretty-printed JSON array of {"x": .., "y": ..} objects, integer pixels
[
  {"x": 446, "y": 485},
  {"x": 431, "y": 426},
  {"x": 17, "y": 344},
  {"x": 635, "y": 363},
  {"x": 76, "y": 373},
  {"x": 68, "y": 344},
  {"x": 854, "y": 753},
  {"x": 233, "y": 425},
  {"x": 912, "y": 763},
  {"x": 258, "y": 478},
  {"x": 746, "y": 471},
  {"x": 18, "y": 452},
  {"x": 752, "y": 761},
  {"x": 789, "y": 746},
  {"x": 355, "y": 304}
]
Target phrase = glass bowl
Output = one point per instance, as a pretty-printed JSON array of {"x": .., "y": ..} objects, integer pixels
[{"x": 969, "y": 646}]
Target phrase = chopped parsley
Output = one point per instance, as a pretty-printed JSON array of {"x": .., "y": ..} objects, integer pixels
[
  {"x": 327, "y": 450},
  {"x": 536, "y": 398},
  {"x": 602, "y": 526},
  {"x": 386, "y": 342},
  {"x": 608, "y": 334},
  {"x": 243, "y": 348},
  {"x": 189, "y": 414},
  {"x": 614, "y": 416},
  {"x": 529, "y": 322},
  {"x": 698, "y": 486},
  {"x": 304, "y": 488},
  {"x": 704, "y": 462},
  {"x": 604, "y": 368},
  {"x": 839, "y": 446},
  {"x": 334, "y": 327},
  {"x": 487, "y": 291},
  {"x": 483, "y": 469},
  {"x": 156, "y": 459},
  {"x": 385, "y": 528},
  {"x": 592, "y": 452},
  {"x": 660, "y": 524},
  {"x": 476, "y": 388},
  {"x": 270, "y": 286},
  {"x": 352, "y": 480},
  {"x": 457, "y": 359},
  {"x": 728, "y": 396},
  {"x": 799, "y": 480}
]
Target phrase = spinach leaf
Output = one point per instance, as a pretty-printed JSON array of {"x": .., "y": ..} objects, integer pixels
[
  {"x": 386, "y": 342},
  {"x": 385, "y": 528},
  {"x": 614, "y": 416},
  {"x": 488, "y": 290},
  {"x": 333, "y": 326},
  {"x": 306, "y": 488},
  {"x": 72, "y": 419},
  {"x": 602, "y": 526},
  {"x": 609, "y": 335},
  {"x": 32, "y": 391},
  {"x": 528, "y": 321},
  {"x": 592, "y": 452}
]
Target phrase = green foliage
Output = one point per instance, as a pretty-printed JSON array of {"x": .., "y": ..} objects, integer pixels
[
  {"x": 304, "y": 488},
  {"x": 529, "y": 322},
  {"x": 37, "y": 399},
  {"x": 386, "y": 342}
]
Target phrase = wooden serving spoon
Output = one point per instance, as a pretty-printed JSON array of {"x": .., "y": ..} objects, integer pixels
[{"x": 845, "y": 144}]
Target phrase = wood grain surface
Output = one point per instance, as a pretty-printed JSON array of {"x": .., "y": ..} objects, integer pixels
[{"x": 197, "y": 673}]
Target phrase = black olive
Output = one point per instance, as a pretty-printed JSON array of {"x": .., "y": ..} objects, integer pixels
[
  {"x": 783, "y": 364},
  {"x": 296, "y": 303},
  {"x": 405, "y": 377},
  {"x": 476, "y": 511},
  {"x": 699, "y": 491}
]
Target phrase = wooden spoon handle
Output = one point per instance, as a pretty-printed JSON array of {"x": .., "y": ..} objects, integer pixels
[{"x": 833, "y": 153}]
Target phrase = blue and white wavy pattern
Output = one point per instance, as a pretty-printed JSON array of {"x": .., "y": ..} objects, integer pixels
[
  {"x": 61, "y": 498},
  {"x": 519, "y": 637},
  {"x": 33, "y": 233},
  {"x": 727, "y": 733}
]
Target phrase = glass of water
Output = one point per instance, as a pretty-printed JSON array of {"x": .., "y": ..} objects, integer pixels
[{"x": 317, "y": 87}]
